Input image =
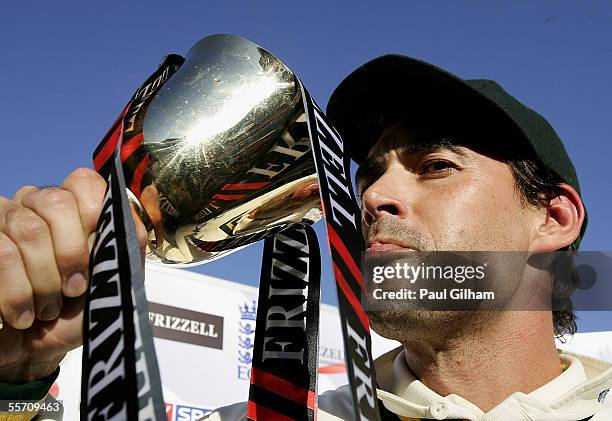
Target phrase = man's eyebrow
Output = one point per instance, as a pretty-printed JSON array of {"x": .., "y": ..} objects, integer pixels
[
  {"x": 373, "y": 167},
  {"x": 436, "y": 145}
]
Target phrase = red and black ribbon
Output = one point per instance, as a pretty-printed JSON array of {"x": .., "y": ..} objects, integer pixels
[
  {"x": 285, "y": 356},
  {"x": 278, "y": 387},
  {"x": 129, "y": 125},
  {"x": 343, "y": 221}
]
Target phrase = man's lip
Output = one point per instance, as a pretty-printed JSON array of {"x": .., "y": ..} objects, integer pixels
[{"x": 381, "y": 246}]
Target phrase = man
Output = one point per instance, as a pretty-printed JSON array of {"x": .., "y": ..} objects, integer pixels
[
  {"x": 456, "y": 165},
  {"x": 446, "y": 164}
]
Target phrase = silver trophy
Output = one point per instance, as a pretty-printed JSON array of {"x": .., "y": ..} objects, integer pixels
[{"x": 229, "y": 156}]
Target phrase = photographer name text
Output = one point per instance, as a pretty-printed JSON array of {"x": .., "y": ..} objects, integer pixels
[{"x": 425, "y": 294}]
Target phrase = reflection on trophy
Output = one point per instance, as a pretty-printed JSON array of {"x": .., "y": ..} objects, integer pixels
[{"x": 227, "y": 154}]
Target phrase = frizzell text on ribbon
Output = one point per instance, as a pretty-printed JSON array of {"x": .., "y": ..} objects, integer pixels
[
  {"x": 362, "y": 368},
  {"x": 286, "y": 324},
  {"x": 334, "y": 170},
  {"x": 105, "y": 346},
  {"x": 345, "y": 243},
  {"x": 143, "y": 94},
  {"x": 284, "y": 376}
]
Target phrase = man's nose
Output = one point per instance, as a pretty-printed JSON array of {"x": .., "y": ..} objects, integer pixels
[{"x": 387, "y": 196}]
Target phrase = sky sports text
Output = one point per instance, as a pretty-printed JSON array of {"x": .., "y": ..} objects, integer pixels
[{"x": 184, "y": 412}]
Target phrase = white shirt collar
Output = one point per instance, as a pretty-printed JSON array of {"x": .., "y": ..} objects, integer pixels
[
  {"x": 570, "y": 378},
  {"x": 405, "y": 395}
]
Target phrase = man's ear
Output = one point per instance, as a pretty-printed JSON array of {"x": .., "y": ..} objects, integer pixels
[{"x": 562, "y": 222}]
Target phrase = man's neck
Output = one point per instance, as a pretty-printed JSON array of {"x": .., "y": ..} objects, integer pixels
[{"x": 490, "y": 364}]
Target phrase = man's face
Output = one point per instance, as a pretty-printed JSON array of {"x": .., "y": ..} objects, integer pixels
[{"x": 437, "y": 196}]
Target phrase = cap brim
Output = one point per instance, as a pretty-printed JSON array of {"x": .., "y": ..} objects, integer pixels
[{"x": 395, "y": 87}]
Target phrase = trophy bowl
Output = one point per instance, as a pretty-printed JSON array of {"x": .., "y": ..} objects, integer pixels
[{"x": 227, "y": 154}]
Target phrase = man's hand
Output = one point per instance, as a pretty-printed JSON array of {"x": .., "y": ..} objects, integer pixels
[{"x": 45, "y": 239}]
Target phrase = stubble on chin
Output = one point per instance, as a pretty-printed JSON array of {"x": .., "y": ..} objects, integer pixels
[{"x": 428, "y": 326}]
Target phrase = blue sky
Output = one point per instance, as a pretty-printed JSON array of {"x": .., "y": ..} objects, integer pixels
[{"x": 68, "y": 68}]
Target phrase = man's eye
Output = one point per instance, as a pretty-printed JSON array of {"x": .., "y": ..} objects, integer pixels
[{"x": 436, "y": 167}]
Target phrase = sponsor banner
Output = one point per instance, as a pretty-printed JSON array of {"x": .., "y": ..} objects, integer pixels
[
  {"x": 185, "y": 378},
  {"x": 192, "y": 327}
]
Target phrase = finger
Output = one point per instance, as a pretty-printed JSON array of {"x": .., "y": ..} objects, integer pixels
[
  {"x": 31, "y": 235},
  {"x": 16, "y": 300},
  {"x": 141, "y": 231},
  {"x": 4, "y": 203},
  {"x": 58, "y": 208},
  {"x": 150, "y": 203},
  {"x": 70, "y": 324},
  {"x": 22, "y": 192},
  {"x": 88, "y": 188}
]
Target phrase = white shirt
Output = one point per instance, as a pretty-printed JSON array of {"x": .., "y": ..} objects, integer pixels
[{"x": 576, "y": 394}]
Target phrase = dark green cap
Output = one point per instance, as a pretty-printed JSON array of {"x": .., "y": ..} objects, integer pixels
[{"x": 395, "y": 86}]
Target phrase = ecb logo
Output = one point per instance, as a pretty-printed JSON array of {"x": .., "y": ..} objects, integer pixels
[{"x": 246, "y": 339}]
